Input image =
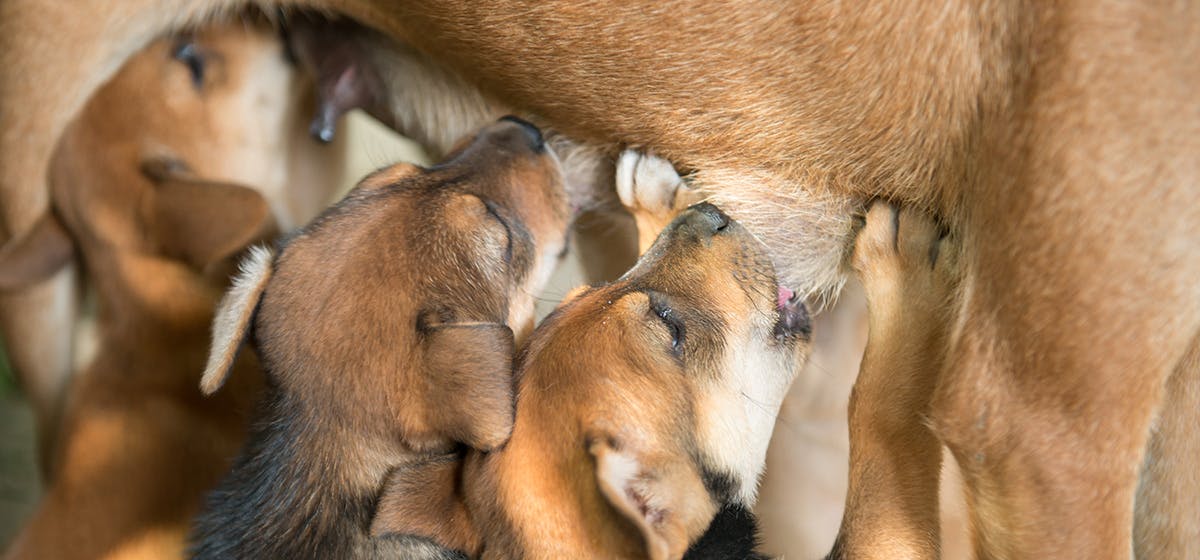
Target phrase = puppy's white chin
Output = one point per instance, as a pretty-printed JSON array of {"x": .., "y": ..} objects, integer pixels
[{"x": 737, "y": 414}]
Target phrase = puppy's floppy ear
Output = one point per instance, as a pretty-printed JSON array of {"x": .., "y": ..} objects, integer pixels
[
  {"x": 35, "y": 256},
  {"x": 235, "y": 315},
  {"x": 660, "y": 494},
  {"x": 469, "y": 381},
  {"x": 422, "y": 499},
  {"x": 199, "y": 221}
]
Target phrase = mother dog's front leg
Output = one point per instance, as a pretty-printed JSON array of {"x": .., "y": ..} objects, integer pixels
[{"x": 908, "y": 273}]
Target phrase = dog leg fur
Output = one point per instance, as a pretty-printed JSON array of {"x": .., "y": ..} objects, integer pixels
[
  {"x": 1167, "y": 522},
  {"x": 892, "y": 500},
  {"x": 37, "y": 323}
]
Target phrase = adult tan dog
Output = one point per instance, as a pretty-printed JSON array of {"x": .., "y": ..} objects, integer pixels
[
  {"x": 140, "y": 445},
  {"x": 387, "y": 329},
  {"x": 1057, "y": 140}
]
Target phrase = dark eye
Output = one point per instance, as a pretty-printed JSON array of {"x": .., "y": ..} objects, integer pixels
[
  {"x": 189, "y": 54},
  {"x": 669, "y": 319}
]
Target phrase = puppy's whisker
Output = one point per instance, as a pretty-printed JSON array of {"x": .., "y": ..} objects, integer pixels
[
  {"x": 766, "y": 408},
  {"x": 821, "y": 369}
]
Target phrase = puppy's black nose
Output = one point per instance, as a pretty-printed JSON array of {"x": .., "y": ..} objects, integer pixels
[
  {"x": 794, "y": 319},
  {"x": 532, "y": 135},
  {"x": 705, "y": 219}
]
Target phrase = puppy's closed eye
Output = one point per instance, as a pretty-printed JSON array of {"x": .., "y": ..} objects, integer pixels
[
  {"x": 187, "y": 52},
  {"x": 661, "y": 308},
  {"x": 495, "y": 213}
]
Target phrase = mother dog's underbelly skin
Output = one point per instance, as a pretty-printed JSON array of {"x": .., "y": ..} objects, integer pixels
[{"x": 806, "y": 233}]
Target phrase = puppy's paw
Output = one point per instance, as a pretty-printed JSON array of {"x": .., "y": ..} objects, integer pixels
[
  {"x": 652, "y": 191},
  {"x": 905, "y": 262},
  {"x": 649, "y": 184}
]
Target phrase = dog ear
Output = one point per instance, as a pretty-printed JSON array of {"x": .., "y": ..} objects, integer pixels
[
  {"x": 199, "y": 221},
  {"x": 37, "y": 255},
  {"x": 234, "y": 316},
  {"x": 422, "y": 499},
  {"x": 663, "y": 496},
  {"x": 469, "y": 375}
]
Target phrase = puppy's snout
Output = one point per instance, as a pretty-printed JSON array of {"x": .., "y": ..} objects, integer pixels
[
  {"x": 794, "y": 319},
  {"x": 527, "y": 134},
  {"x": 705, "y": 219}
]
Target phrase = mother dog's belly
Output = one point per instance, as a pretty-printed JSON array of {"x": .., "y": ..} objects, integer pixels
[{"x": 807, "y": 232}]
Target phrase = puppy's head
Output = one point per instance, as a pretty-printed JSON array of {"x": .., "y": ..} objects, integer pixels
[
  {"x": 390, "y": 313},
  {"x": 154, "y": 165},
  {"x": 674, "y": 375}
]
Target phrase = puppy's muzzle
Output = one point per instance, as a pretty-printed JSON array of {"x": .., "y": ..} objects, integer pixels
[
  {"x": 526, "y": 134},
  {"x": 704, "y": 220},
  {"x": 793, "y": 316}
]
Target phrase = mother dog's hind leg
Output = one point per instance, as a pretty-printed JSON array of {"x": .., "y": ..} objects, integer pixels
[
  {"x": 1167, "y": 515},
  {"x": 909, "y": 274},
  {"x": 1055, "y": 370}
]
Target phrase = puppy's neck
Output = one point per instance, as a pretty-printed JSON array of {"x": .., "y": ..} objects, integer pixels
[
  {"x": 537, "y": 497},
  {"x": 160, "y": 298},
  {"x": 152, "y": 311}
]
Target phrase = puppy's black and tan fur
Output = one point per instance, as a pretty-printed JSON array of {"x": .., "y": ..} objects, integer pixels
[
  {"x": 645, "y": 406},
  {"x": 384, "y": 328}
]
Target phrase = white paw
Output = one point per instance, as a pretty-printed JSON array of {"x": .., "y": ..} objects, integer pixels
[
  {"x": 652, "y": 191},
  {"x": 648, "y": 183}
]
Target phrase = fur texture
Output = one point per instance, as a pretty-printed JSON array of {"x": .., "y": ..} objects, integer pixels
[
  {"x": 135, "y": 184},
  {"x": 386, "y": 329},
  {"x": 1049, "y": 137}
]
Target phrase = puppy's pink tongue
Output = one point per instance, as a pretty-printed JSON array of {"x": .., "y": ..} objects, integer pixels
[{"x": 785, "y": 295}]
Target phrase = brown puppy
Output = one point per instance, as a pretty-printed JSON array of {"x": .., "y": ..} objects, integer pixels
[
  {"x": 645, "y": 406},
  {"x": 232, "y": 106},
  {"x": 139, "y": 445},
  {"x": 1050, "y": 137},
  {"x": 384, "y": 329}
]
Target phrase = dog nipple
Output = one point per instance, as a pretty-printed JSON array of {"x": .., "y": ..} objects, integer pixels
[
  {"x": 336, "y": 97},
  {"x": 785, "y": 295},
  {"x": 324, "y": 124}
]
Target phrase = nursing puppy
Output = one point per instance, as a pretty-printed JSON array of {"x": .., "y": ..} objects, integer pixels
[
  {"x": 1049, "y": 136},
  {"x": 225, "y": 100},
  {"x": 644, "y": 408},
  {"x": 139, "y": 445},
  {"x": 386, "y": 328}
]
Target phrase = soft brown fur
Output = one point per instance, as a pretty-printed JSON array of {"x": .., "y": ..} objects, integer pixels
[
  {"x": 908, "y": 275},
  {"x": 621, "y": 446},
  {"x": 387, "y": 329},
  {"x": 244, "y": 125},
  {"x": 1058, "y": 141},
  {"x": 139, "y": 444}
]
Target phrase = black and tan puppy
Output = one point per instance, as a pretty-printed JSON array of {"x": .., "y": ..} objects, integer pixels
[
  {"x": 386, "y": 328},
  {"x": 645, "y": 407}
]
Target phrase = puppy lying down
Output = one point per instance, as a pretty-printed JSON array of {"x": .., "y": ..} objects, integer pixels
[
  {"x": 385, "y": 328},
  {"x": 644, "y": 409}
]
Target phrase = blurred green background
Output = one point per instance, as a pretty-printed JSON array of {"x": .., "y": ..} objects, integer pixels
[{"x": 19, "y": 485}]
